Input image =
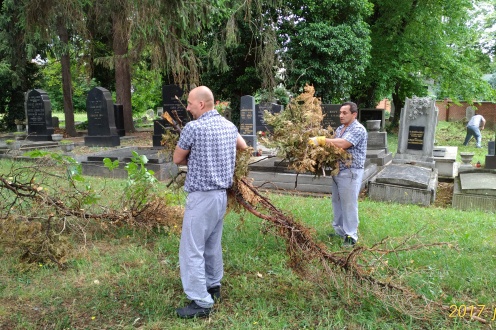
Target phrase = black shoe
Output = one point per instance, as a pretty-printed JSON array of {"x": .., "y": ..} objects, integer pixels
[
  {"x": 334, "y": 235},
  {"x": 349, "y": 241},
  {"x": 215, "y": 293},
  {"x": 193, "y": 310}
]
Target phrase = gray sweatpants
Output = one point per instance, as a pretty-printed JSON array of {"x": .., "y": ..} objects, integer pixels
[
  {"x": 345, "y": 188},
  {"x": 200, "y": 250}
]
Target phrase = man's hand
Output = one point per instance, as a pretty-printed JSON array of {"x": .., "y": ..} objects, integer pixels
[{"x": 317, "y": 141}]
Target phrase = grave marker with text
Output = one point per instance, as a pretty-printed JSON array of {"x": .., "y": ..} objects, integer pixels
[
  {"x": 39, "y": 115},
  {"x": 101, "y": 121}
]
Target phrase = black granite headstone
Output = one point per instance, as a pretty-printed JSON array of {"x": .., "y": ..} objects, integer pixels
[
  {"x": 39, "y": 115},
  {"x": 119, "y": 119},
  {"x": 491, "y": 150},
  {"x": 331, "y": 115},
  {"x": 415, "y": 137},
  {"x": 101, "y": 121},
  {"x": 260, "y": 124},
  {"x": 247, "y": 123},
  {"x": 491, "y": 156},
  {"x": 372, "y": 114},
  {"x": 172, "y": 105},
  {"x": 160, "y": 126},
  {"x": 55, "y": 122}
]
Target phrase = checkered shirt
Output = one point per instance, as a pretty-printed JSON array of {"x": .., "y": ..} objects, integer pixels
[
  {"x": 355, "y": 134},
  {"x": 211, "y": 140}
]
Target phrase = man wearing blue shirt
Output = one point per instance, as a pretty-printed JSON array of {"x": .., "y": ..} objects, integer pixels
[
  {"x": 208, "y": 146},
  {"x": 345, "y": 187}
]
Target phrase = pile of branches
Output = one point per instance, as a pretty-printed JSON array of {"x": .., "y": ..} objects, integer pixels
[
  {"x": 291, "y": 129},
  {"x": 44, "y": 203},
  {"x": 362, "y": 271}
]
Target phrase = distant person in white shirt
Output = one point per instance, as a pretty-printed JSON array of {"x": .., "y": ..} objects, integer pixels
[{"x": 476, "y": 123}]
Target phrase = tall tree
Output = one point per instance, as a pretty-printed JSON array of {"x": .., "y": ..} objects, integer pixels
[
  {"x": 325, "y": 44},
  {"x": 17, "y": 73},
  {"x": 417, "y": 41},
  {"x": 61, "y": 17},
  {"x": 167, "y": 31}
]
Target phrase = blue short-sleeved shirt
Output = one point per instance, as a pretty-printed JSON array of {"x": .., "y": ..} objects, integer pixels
[
  {"x": 356, "y": 134},
  {"x": 211, "y": 140}
]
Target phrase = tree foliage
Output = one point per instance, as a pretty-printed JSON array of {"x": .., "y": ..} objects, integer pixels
[
  {"x": 17, "y": 73},
  {"x": 325, "y": 44},
  {"x": 417, "y": 43},
  {"x": 362, "y": 50}
]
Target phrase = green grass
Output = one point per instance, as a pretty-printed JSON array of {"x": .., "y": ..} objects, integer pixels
[
  {"x": 129, "y": 277},
  {"x": 78, "y": 117},
  {"x": 126, "y": 278}
]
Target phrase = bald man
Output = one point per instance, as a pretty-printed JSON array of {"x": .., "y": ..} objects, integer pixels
[{"x": 208, "y": 146}]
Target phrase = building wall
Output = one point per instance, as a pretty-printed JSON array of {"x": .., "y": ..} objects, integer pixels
[{"x": 449, "y": 111}]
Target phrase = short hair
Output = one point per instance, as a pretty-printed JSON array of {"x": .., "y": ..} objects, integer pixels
[{"x": 353, "y": 106}]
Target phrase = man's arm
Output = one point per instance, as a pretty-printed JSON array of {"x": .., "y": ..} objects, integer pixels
[
  {"x": 241, "y": 143},
  {"x": 340, "y": 143},
  {"x": 180, "y": 156},
  {"x": 483, "y": 123}
]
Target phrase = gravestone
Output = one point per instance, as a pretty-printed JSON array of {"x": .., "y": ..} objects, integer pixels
[
  {"x": 404, "y": 184},
  {"x": 160, "y": 126},
  {"x": 414, "y": 158},
  {"x": 377, "y": 148},
  {"x": 475, "y": 189},
  {"x": 260, "y": 124},
  {"x": 55, "y": 122},
  {"x": 158, "y": 162},
  {"x": 365, "y": 115},
  {"x": 469, "y": 112},
  {"x": 445, "y": 161},
  {"x": 331, "y": 115},
  {"x": 171, "y": 96},
  {"x": 491, "y": 155},
  {"x": 39, "y": 115},
  {"x": 160, "y": 112},
  {"x": 247, "y": 121},
  {"x": 101, "y": 121},
  {"x": 119, "y": 119},
  {"x": 417, "y": 129}
]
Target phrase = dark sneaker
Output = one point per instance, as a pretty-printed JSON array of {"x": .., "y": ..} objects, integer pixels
[
  {"x": 215, "y": 293},
  {"x": 349, "y": 241},
  {"x": 193, "y": 310},
  {"x": 334, "y": 235}
]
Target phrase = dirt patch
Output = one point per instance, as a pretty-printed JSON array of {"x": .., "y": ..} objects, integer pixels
[{"x": 444, "y": 195}]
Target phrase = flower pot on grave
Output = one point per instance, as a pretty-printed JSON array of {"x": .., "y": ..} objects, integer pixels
[
  {"x": 66, "y": 147},
  {"x": 57, "y": 137},
  {"x": 466, "y": 158},
  {"x": 373, "y": 125}
]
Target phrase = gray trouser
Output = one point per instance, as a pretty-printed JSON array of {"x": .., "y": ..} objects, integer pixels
[
  {"x": 345, "y": 188},
  {"x": 200, "y": 250}
]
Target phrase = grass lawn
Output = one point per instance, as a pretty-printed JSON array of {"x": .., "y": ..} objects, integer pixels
[
  {"x": 78, "y": 117},
  {"x": 128, "y": 278}
]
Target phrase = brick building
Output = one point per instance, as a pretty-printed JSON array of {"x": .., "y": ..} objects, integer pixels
[{"x": 449, "y": 111}]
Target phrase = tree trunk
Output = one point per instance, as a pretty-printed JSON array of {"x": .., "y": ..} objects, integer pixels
[
  {"x": 122, "y": 68},
  {"x": 398, "y": 104},
  {"x": 65, "y": 60}
]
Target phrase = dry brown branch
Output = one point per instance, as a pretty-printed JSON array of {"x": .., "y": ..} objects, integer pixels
[{"x": 302, "y": 249}]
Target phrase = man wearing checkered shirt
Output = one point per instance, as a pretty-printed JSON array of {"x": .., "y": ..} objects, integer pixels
[
  {"x": 345, "y": 186},
  {"x": 208, "y": 146}
]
